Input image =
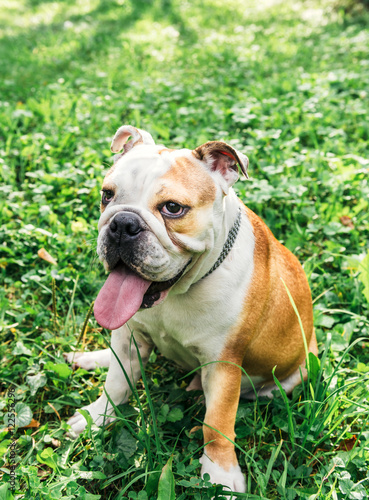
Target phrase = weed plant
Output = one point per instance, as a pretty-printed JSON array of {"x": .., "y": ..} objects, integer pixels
[{"x": 285, "y": 82}]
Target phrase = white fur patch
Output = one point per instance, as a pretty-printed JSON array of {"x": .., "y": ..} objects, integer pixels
[
  {"x": 232, "y": 478},
  {"x": 88, "y": 360},
  {"x": 116, "y": 384}
]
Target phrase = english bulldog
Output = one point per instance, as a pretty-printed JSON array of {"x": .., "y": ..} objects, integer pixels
[{"x": 197, "y": 274}]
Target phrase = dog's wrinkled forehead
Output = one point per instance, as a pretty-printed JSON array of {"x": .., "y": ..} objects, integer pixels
[
  {"x": 147, "y": 170},
  {"x": 145, "y": 174},
  {"x": 136, "y": 172}
]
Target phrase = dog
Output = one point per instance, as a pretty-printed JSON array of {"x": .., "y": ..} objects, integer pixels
[{"x": 197, "y": 274}]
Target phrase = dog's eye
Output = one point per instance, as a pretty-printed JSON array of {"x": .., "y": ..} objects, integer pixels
[
  {"x": 107, "y": 196},
  {"x": 173, "y": 209}
]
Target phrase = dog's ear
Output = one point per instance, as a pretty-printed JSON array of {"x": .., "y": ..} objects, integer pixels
[
  {"x": 138, "y": 137},
  {"x": 223, "y": 158}
]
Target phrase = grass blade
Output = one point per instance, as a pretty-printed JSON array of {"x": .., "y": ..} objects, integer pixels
[{"x": 166, "y": 482}]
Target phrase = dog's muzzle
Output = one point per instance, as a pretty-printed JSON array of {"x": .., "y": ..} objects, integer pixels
[
  {"x": 139, "y": 277},
  {"x": 129, "y": 239}
]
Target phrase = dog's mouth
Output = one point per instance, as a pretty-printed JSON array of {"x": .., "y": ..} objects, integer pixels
[{"x": 125, "y": 292}]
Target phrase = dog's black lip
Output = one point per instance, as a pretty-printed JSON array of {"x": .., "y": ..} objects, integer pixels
[
  {"x": 156, "y": 286},
  {"x": 160, "y": 286}
]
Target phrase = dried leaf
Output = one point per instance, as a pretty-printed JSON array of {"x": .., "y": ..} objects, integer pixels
[
  {"x": 347, "y": 444},
  {"x": 43, "y": 254},
  {"x": 347, "y": 221},
  {"x": 34, "y": 424}
]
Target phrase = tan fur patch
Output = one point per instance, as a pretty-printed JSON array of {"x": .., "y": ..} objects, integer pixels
[
  {"x": 165, "y": 150},
  {"x": 221, "y": 414},
  {"x": 268, "y": 315},
  {"x": 255, "y": 342},
  {"x": 190, "y": 185},
  {"x": 111, "y": 186}
]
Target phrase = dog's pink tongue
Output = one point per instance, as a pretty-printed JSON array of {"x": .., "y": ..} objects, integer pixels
[{"x": 119, "y": 298}]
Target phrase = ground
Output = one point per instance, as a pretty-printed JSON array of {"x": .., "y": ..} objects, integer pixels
[{"x": 287, "y": 83}]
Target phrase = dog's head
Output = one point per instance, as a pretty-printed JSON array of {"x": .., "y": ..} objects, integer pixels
[{"x": 160, "y": 210}]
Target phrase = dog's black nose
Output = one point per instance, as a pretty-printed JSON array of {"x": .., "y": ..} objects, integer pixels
[{"x": 125, "y": 226}]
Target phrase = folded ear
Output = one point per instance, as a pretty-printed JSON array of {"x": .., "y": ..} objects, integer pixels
[
  {"x": 223, "y": 158},
  {"x": 138, "y": 137}
]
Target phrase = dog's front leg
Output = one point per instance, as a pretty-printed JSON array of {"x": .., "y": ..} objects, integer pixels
[
  {"x": 117, "y": 386},
  {"x": 222, "y": 383}
]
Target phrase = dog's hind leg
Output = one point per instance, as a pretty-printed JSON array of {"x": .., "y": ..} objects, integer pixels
[
  {"x": 88, "y": 360},
  {"x": 124, "y": 371},
  {"x": 288, "y": 383}
]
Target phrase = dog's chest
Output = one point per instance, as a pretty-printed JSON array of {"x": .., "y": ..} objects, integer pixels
[
  {"x": 190, "y": 330},
  {"x": 193, "y": 328}
]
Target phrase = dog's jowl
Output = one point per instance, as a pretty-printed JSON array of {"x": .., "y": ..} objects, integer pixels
[{"x": 197, "y": 274}]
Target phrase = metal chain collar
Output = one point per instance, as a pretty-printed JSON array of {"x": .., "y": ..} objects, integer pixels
[{"x": 232, "y": 235}]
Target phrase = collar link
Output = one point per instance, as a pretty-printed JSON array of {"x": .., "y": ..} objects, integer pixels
[{"x": 231, "y": 238}]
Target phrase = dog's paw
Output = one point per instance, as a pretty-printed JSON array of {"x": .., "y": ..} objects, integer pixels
[
  {"x": 100, "y": 413},
  {"x": 77, "y": 425},
  {"x": 88, "y": 360},
  {"x": 232, "y": 478}
]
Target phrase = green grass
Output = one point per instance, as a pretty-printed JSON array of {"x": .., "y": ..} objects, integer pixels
[{"x": 285, "y": 82}]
